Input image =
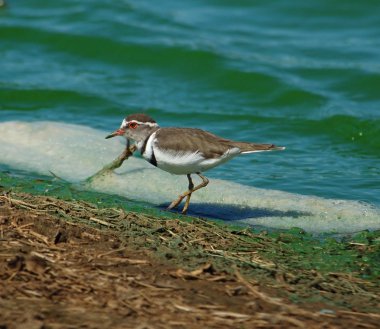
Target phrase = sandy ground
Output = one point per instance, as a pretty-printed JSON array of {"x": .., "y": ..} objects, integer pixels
[{"x": 58, "y": 273}]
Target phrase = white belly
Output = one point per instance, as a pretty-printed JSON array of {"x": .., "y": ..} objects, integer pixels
[{"x": 181, "y": 163}]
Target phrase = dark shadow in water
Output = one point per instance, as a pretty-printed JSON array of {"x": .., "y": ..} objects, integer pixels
[
  {"x": 232, "y": 212},
  {"x": 226, "y": 212}
]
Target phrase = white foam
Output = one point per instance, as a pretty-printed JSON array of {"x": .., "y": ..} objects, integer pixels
[{"x": 75, "y": 152}]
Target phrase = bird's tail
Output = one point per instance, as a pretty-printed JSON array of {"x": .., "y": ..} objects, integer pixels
[{"x": 246, "y": 147}]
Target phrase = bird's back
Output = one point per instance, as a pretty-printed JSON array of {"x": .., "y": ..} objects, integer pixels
[{"x": 191, "y": 140}]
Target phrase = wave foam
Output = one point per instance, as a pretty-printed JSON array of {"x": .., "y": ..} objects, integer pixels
[{"x": 75, "y": 152}]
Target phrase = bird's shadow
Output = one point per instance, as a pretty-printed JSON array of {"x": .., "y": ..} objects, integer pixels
[{"x": 228, "y": 212}]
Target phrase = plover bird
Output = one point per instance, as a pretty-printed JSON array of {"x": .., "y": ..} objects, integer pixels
[{"x": 183, "y": 151}]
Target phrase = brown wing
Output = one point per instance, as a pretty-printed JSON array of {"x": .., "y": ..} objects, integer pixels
[
  {"x": 210, "y": 145},
  {"x": 192, "y": 140}
]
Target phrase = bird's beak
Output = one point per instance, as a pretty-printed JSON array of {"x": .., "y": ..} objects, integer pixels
[{"x": 119, "y": 132}]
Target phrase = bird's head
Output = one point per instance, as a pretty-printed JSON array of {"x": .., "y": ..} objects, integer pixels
[{"x": 136, "y": 127}]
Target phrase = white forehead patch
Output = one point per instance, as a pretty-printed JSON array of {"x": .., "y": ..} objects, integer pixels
[{"x": 124, "y": 123}]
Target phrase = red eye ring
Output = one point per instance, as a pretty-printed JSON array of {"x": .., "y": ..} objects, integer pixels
[{"x": 132, "y": 125}]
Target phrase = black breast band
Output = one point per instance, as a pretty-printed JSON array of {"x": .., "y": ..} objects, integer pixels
[
  {"x": 144, "y": 145},
  {"x": 153, "y": 160}
]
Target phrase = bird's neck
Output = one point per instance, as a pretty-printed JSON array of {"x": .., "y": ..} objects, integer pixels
[{"x": 141, "y": 144}]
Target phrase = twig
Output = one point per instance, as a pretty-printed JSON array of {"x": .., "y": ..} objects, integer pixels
[
  {"x": 293, "y": 309},
  {"x": 18, "y": 202},
  {"x": 102, "y": 222},
  {"x": 115, "y": 163},
  {"x": 57, "y": 177},
  {"x": 373, "y": 315},
  {"x": 110, "y": 252}
]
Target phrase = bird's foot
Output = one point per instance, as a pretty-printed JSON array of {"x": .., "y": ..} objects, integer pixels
[
  {"x": 186, "y": 206},
  {"x": 184, "y": 211},
  {"x": 175, "y": 203}
]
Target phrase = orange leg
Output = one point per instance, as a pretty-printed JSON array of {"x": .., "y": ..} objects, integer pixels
[{"x": 187, "y": 194}]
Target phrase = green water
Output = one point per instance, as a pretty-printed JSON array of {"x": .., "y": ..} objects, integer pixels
[{"x": 305, "y": 75}]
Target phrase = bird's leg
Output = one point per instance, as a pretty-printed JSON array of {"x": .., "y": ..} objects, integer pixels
[
  {"x": 203, "y": 184},
  {"x": 191, "y": 186},
  {"x": 175, "y": 203}
]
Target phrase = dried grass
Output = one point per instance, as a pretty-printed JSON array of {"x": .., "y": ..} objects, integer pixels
[{"x": 105, "y": 260}]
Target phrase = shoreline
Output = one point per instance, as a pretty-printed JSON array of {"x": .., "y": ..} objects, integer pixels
[{"x": 288, "y": 273}]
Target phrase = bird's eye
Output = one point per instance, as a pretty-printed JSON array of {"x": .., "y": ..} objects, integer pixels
[{"x": 132, "y": 125}]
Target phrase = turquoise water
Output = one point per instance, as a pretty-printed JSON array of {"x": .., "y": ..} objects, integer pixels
[{"x": 298, "y": 74}]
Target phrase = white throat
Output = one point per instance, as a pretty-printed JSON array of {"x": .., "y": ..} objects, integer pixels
[{"x": 147, "y": 152}]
